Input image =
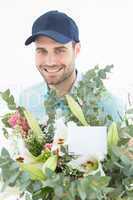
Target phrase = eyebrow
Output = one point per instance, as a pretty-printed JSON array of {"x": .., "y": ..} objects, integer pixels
[
  {"x": 43, "y": 48},
  {"x": 61, "y": 47},
  {"x": 40, "y": 48}
]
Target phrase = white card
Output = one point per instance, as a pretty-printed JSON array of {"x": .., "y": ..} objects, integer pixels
[{"x": 88, "y": 141}]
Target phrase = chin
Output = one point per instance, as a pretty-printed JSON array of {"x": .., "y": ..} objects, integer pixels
[{"x": 51, "y": 82}]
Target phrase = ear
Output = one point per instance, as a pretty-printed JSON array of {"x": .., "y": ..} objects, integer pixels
[{"x": 77, "y": 48}]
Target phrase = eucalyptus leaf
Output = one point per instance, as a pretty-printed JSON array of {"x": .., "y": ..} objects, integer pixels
[
  {"x": 9, "y": 99},
  {"x": 5, "y": 133},
  {"x": 5, "y": 154},
  {"x": 28, "y": 196}
]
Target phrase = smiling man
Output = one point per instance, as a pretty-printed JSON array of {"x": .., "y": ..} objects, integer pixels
[
  {"x": 56, "y": 63},
  {"x": 57, "y": 44},
  {"x": 56, "y": 38}
]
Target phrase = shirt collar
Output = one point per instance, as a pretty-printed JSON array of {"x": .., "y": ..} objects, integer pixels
[{"x": 78, "y": 78}]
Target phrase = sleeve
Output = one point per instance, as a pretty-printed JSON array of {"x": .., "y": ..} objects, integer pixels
[
  {"x": 113, "y": 106},
  {"x": 33, "y": 100}
]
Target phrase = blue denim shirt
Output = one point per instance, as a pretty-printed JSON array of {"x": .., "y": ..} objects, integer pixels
[{"x": 33, "y": 99}]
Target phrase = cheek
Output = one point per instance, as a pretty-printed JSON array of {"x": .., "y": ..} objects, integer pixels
[
  {"x": 36, "y": 60},
  {"x": 66, "y": 59},
  {"x": 70, "y": 61},
  {"x": 39, "y": 59}
]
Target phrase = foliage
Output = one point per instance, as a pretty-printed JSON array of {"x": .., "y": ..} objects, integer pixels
[
  {"x": 88, "y": 93},
  {"x": 49, "y": 176}
]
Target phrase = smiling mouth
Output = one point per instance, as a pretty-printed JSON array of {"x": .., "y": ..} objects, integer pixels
[{"x": 52, "y": 70}]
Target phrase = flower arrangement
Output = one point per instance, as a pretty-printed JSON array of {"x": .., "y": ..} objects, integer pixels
[{"x": 41, "y": 165}]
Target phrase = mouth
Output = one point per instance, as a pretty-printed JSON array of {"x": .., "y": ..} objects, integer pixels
[{"x": 52, "y": 70}]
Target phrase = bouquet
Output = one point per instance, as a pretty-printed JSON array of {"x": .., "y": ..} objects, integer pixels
[{"x": 42, "y": 166}]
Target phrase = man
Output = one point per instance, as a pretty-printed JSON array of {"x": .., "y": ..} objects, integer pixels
[{"x": 57, "y": 45}]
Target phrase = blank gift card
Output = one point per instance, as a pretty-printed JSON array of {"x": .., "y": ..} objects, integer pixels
[{"x": 88, "y": 141}]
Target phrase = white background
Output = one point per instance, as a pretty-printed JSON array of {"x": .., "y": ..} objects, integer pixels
[{"x": 106, "y": 36}]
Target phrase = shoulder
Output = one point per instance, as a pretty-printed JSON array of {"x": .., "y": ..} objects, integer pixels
[
  {"x": 113, "y": 105},
  {"x": 36, "y": 87},
  {"x": 32, "y": 93},
  {"x": 32, "y": 99}
]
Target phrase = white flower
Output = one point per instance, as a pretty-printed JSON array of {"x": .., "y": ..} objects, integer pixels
[
  {"x": 60, "y": 137},
  {"x": 11, "y": 193},
  {"x": 86, "y": 164},
  {"x": 21, "y": 150},
  {"x": 72, "y": 124}
]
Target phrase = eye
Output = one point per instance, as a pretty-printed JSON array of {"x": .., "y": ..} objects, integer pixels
[
  {"x": 41, "y": 51},
  {"x": 58, "y": 51}
]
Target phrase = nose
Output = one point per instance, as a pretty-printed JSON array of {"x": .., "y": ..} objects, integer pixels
[{"x": 50, "y": 60}]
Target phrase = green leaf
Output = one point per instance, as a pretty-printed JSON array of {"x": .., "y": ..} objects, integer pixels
[
  {"x": 5, "y": 154},
  {"x": 24, "y": 181},
  {"x": 11, "y": 180},
  {"x": 58, "y": 191},
  {"x": 4, "y": 162},
  {"x": 103, "y": 181},
  {"x": 33, "y": 123},
  {"x": 129, "y": 111},
  {"x": 108, "y": 68},
  {"x": 42, "y": 157},
  {"x": 9, "y": 99},
  {"x": 113, "y": 136},
  {"x": 28, "y": 196},
  {"x": 5, "y": 119},
  {"x": 33, "y": 170},
  {"x": 5, "y": 133},
  {"x": 33, "y": 144},
  {"x": 50, "y": 163},
  {"x": 76, "y": 110},
  {"x": 81, "y": 191},
  {"x": 45, "y": 191},
  {"x": 102, "y": 74}
]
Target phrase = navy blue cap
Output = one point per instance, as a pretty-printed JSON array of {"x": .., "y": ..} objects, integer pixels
[{"x": 56, "y": 25}]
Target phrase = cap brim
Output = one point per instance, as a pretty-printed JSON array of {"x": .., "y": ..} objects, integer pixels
[{"x": 52, "y": 34}]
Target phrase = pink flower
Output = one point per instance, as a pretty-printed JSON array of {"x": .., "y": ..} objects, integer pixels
[
  {"x": 13, "y": 119},
  {"x": 23, "y": 123},
  {"x": 48, "y": 146}
]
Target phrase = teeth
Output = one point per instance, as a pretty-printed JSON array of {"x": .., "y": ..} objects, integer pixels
[{"x": 52, "y": 70}]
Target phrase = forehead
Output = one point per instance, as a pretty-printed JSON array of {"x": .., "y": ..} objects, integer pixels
[{"x": 46, "y": 41}]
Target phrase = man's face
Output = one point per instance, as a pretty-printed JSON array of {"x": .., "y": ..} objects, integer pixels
[{"x": 55, "y": 61}]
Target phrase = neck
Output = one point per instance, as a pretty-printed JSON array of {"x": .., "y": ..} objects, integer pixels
[{"x": 65, "y": 86}]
